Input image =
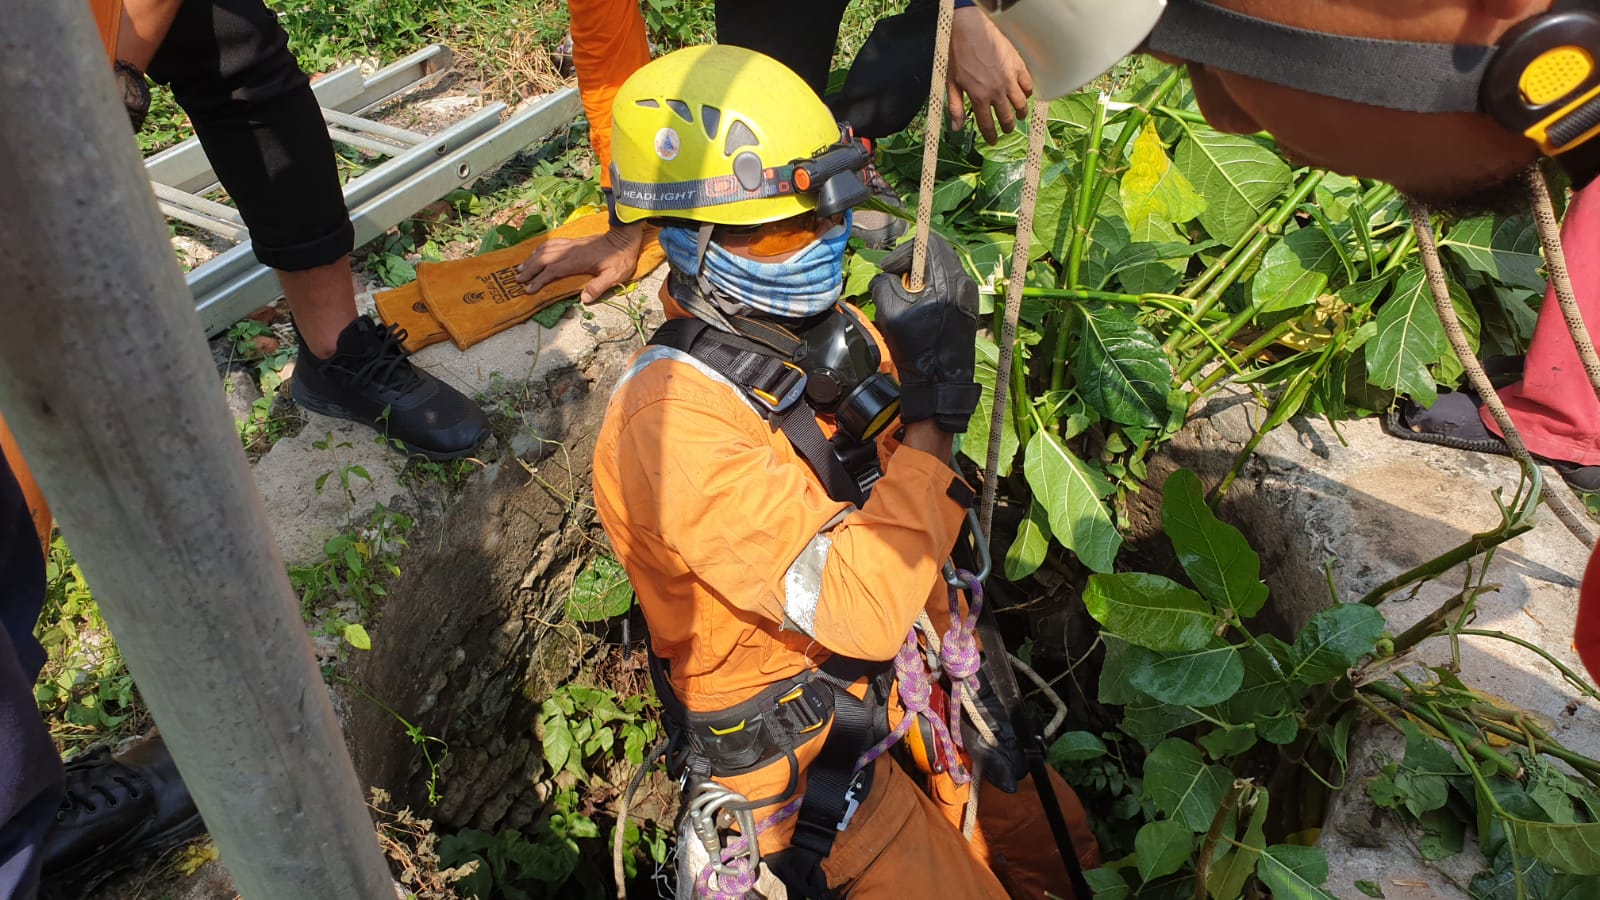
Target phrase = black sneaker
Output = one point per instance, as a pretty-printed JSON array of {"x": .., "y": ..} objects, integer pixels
[
  {"x": 118, "y": 813},
  {"x": 370, "y": 379},
  {"x": 878, "y": 230}
]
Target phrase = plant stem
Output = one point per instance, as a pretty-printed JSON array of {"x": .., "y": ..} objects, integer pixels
[
  {"x": 1236, "y": 363},
  {"x": 1430, "y": 625},
  {"x": 1265, "y": 232},
  {"x": 1202, "y": 868},
  {"x": 1574, "y": 678},
  {"x": 1478, "y": 543},
  {"x": 1431, "y": 717},
  {"x": 1283, "y": 407},
  {"x": 1092, "y": 189}
]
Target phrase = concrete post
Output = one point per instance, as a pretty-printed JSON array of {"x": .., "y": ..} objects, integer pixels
[{"x": 106, "y": 379}]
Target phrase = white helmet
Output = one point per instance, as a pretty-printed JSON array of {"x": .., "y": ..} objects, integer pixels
[{"x": 1069, "y": 43}]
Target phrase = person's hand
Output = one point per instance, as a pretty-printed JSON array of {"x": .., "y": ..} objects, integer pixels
[
  {"x": 985, "y": 67},
  {"x": 932, "y": 335},
  {"x": 611, "y": 258}
]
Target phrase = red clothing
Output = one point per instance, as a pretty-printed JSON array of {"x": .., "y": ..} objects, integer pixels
[
  {"x": 1587, "y": 639},
  {"x": 1554, "y": 407}
]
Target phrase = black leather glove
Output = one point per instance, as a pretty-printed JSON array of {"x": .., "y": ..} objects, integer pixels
[{"x": 932, "y": 336}]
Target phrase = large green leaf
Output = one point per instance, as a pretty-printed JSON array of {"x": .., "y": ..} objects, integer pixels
[
  {"x": 1107, "y": 884},
  {"x": 1150, "y": 611},
  {"x": 1071, "y": 493},
  {"x": 1032, "y": 544},
  {"x": 1215, "y": 555},
  {"x": 975, "y": 446},
  {"x": 1334, "y": 640},
  {"x": 1449, "y": 369},
  {"x": 1410, "y": 338},
  {"x": 1152, "y": 190},
  {"x": 1150, "y": 721},
  {"x": 999, "y": 193},
  {"x": 1122, "y": 371},
  {"x": 1108, "y": 239},
  {"x": 952, "y": 192},
  {"x": 1238, "y": 177},
  {"x": 1075, "y": 746},
  {"x": 1573, "y": 887},
  {"x": 1052, "y": 213},
  {"x": 1181, "y": 785},
  {"x": 1572, "y": 848},
  {"x": 1162, "y": 848},
  {"x": 1263, "y": 698},
  {"x": 1228, "y": 876},
  {"x": 1295, "y": 271},
  {"x": 1505, "y": 249},
  {"x": 1203, "y": 677},
  {"x": 600, "y": 591},
  {"x": 1294, "y": 873}
]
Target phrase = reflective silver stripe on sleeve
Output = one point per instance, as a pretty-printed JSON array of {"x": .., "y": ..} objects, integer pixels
[
  {"x": 655, "y": 353},
  {"x": 802, "y": 583}
]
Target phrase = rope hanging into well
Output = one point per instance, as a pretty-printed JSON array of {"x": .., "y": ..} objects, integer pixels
[
  {"x": 930, "y": 146},
  {"x": 1440, "y": 286},
  {"x": 1017, "y": 276},
  {"x": 1544, "y": 213}
]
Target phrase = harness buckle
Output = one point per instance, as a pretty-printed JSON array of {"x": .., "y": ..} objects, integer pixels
[
  {"x": 801, "y": 711},
  {"x": 784, "y": 392}
]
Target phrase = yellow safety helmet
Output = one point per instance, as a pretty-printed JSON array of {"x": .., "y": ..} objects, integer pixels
[{"x": 728, "y": 136}]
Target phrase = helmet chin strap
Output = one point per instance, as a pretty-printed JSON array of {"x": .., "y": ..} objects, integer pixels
[{"x": 1412, "y": 76}]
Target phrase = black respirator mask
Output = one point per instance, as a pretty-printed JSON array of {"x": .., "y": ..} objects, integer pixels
[
  {"x": 1541, "y": 81},
  {"x": 841, "y": 364}
]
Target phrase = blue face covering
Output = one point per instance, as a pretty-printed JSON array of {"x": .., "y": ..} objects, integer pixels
[{"x": 807, "y": 283}]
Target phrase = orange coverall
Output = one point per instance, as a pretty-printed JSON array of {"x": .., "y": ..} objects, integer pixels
[
  {"x": 609, "y": 43},
  {"x": 707, "y": 507}
]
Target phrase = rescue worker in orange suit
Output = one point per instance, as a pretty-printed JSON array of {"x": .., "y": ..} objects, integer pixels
[
  {"x": 785, "y": 535},
  {"x": 886, "y": 86}
]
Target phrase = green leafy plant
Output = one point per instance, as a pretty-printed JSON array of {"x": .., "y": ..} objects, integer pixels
[
  {"x": 84, "y": 691},
  {"x": 1167, "y": 256},
  {"x": 343, "y": 473},
  {"x": 583, "y": 728},
  {"x": 557, "y": 860},
  {"x": 350, "y": 575},
  {"x": 1228, "y": 715}
]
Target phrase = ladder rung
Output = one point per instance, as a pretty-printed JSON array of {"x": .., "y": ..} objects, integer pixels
[{"x": 366, "y": 126}]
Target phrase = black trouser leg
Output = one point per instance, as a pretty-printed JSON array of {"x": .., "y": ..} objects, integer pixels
[
  {"x": 229, "y": 66},
  {"x": 30, "y": 769},
  {"x": 799, "y": 35},
  {"x": 888, "y": 81}
]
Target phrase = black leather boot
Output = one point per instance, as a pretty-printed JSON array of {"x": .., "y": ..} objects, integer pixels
[
  {"x": 118, "y": 813},
  {"x": 370, "y": 379}
]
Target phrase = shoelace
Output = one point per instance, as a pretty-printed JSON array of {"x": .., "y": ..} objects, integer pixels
[
  {"x": 83, "y": 796},
  {"x": 388, "y": 364}
]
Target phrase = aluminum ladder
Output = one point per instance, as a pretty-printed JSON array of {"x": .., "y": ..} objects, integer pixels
[{"x": 419, "y": 170}]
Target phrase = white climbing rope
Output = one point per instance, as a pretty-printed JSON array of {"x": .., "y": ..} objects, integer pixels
[
  {"x": 1038, "y": 124},
  {"x": 1469, "y": 361},
  {"x": 930, "y": 146}
]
